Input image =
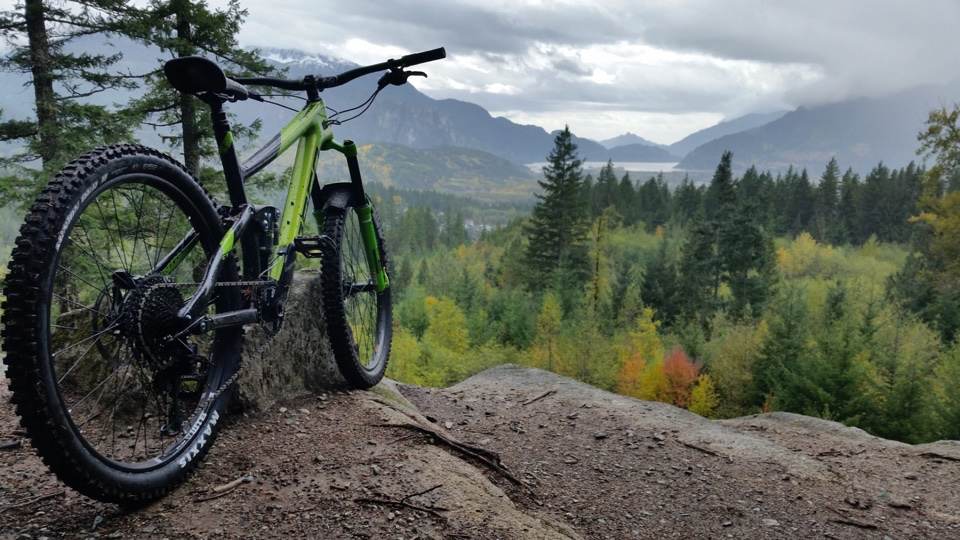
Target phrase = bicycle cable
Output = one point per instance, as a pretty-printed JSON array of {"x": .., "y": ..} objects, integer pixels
[
  {"x": 301, "y": 98},
  {"x": 334, "y": 121}
]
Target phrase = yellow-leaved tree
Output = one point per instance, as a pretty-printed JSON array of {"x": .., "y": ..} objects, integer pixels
[
  {"x": 641, "y": 360},
  {"x": 444, "y": 344},
  {"x": 547, "y": 341},
  {"x": 703, "y": 397}
]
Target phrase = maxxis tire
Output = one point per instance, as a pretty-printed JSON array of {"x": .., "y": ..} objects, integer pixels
[
  {"x": 356, "y": 374},
  {"x": 27, "y": 288}
]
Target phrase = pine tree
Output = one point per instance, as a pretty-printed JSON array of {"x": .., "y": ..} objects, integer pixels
[
  {"x": 721, "y": 196},
  {"x": 697, "y": 268},
  {"x": 687, "y": 202},
  {"x": 848, "y": 210},
  {"x": 826, "y": 205},
  {"x": 626, "y": 200},
  {"x": 558, "y": 226},
  {"x": 184, "y": 28},
  {"x": 66, "y": 123},
  {"x": 779, "y": 371},
  {"x": 606, "y": 189},
  {"x": 661, "y": 286}
]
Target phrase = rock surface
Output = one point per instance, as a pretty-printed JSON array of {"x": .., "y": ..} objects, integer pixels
[
  {"x": 334, "y": 464},
  {"x": 294, "y": 362}
]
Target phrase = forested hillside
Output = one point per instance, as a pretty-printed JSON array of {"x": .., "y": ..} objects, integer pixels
[{"x": 813, "y": 293}]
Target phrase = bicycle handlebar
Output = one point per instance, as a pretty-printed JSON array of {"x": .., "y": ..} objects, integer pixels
[{"x": 321, "y": 83}]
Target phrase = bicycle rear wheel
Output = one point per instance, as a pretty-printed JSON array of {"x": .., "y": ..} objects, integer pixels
[{"x": 116, "y": 410}]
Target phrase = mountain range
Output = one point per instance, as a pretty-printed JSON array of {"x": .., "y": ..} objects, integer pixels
[
  {"x": 405, "y": 122},
  {"x": 859, "y": 132}
]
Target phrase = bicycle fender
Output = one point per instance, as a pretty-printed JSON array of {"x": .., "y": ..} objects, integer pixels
[{"x": 340, "y": 195}]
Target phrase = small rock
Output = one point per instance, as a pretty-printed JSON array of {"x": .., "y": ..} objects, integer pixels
[
  {"x": 96, "y": 522},
  {"x": 283, "y": 410},
  {"x": 376, "y": 470},
  {"x": 390, "y": 516},
  {"x": 911, "y": 476},
  {"x": 659, "y": 437},
  {"x": 900, "y": 503},
  {"x": 305, "y": 411},
  {"x": 600, "y": 435},
  {"x": 448, "y": 425},
  {"x": 727, "y": 523},
  {"x": 767, "y": 522},
  {"x": 572, "y": 416},
  {"x": 570, "y": 460}
]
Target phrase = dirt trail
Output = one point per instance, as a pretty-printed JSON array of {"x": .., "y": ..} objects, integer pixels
[{"x": 597, "y": 465}]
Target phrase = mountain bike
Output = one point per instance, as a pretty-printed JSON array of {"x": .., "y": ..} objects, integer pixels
[{"x": 126, "y": 296}]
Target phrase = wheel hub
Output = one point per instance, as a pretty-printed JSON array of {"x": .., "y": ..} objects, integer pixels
[{"x": 148, "y": 316}]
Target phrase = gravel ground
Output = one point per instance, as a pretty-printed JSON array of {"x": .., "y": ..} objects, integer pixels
[{"x": 595, "y": 465}]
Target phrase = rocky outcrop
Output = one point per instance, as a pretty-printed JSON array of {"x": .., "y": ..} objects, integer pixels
[{"x": 295, "y": 361}]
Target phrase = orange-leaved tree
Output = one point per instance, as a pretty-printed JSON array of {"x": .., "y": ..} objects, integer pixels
[
  {"x": 640, "y": 359},
  {"x": 681, "y": 372}
]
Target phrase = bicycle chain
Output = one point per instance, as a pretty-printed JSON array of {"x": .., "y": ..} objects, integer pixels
[{"x": 236, "y": 374}]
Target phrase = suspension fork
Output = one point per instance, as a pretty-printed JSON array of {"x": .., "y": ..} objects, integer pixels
[{"x": 364, "y": 209}]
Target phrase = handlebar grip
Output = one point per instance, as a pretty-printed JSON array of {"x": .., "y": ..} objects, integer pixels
[{"x": 422, "y": 57}]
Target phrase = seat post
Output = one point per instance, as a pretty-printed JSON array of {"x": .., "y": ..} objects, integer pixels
[{"x": 228, "y": 153}]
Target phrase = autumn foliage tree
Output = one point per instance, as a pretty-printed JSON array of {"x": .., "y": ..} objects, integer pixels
[
  {"x": 641, "y": 348},
  {"x": 703, "y": 397},
  {"x": 681, "y": 373}
]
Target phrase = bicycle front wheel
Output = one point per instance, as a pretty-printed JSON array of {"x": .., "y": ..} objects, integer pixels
[{"x": 358, "y": 316}]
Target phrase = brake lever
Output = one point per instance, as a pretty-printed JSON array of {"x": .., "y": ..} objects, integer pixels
[{"x": 397, "y": 77}]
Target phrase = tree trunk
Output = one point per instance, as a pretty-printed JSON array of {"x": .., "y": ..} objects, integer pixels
[
  {"x": 41, "y": 68},
  {"x": 188, "y": 111}
]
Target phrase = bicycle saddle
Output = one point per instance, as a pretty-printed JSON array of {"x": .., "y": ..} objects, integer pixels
[{"x": 196, "y": 74}]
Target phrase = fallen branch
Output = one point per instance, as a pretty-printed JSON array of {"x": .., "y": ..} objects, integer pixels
[
  {"x": 419, "y": 493},
  {"x": 539, "y": 397},
  {"x": 855, "y": 523},
  {"x": 937, "y": 455},
  {"x": 34, "y": 500},
  {"x": 845, "y": 519},
  {"x": 402, "y": 503},
  {"x": 10, "y": 445},
  {"x": 224, "y": 489},
  {"x": 487, "y": 457},
  {"x": 700, "y": 449},
  {"x": 232, "y": 484}
]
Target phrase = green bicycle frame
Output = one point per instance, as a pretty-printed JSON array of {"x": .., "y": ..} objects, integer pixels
[{"x": 309, "y": 130}]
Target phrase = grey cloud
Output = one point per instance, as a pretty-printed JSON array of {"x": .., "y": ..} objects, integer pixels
[
  {"x": 854, "y": 47},
  {"x": 568, "y": 65}
]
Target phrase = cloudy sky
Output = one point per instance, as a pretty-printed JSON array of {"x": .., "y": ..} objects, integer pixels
[{"x": 658, "y": 68}]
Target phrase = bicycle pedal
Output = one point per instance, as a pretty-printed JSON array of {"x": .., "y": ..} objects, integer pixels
[
  {"x": 190, "y": 386},
  {"x": 312, "y": 247}
]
